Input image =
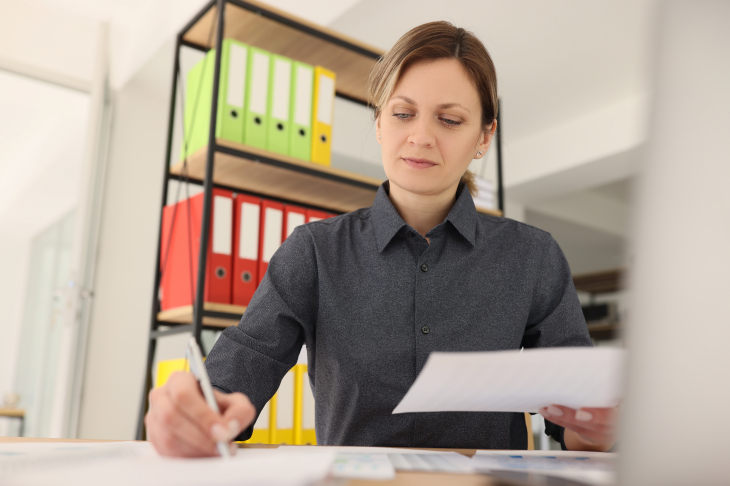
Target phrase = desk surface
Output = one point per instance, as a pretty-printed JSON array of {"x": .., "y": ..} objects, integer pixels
[{"x": 401, "y": 478}]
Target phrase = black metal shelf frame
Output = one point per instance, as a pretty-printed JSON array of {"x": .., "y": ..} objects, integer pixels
[{"x": 197, "y": 326}]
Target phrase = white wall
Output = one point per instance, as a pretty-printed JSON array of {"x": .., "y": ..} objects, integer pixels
[{"x": 120, "y": 320}]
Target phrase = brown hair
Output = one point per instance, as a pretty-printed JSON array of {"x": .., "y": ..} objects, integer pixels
[{"x": 431, "y": 41}]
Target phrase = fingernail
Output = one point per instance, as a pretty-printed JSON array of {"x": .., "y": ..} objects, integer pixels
[
  {"x": 553, "y": 410},
  {"x": 583, "y": 416},
  {"x": 234, "y": 449},
  {"x": 233, "y": 428},
  {"x": 219, "y": 433},
  {"x": 544, "y": 411}
]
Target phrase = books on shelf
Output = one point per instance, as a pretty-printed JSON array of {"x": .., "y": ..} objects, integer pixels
[
  {"x": 265, "y": 100},
  {"x": 487, "y": 196},
  {"x": 245, "y": 232}
]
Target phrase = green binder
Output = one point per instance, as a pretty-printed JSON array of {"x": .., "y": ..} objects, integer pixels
[
  {"x": 199, "y": 96},
  {"x": 257, "y": 88},
  {"x": 300, "y": 112},
  {"x": 280, "y": 79}
]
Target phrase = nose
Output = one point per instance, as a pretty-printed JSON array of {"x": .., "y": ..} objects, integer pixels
[{"x": 422, "y": 134}]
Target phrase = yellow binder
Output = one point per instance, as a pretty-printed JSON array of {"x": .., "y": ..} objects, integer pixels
[{"x": 322, "y": 116}]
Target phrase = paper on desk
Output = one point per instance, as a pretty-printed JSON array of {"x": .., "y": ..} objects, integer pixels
[
  {"x": 137, "y": 464},
  {"x": 403, "y": 459},
  {"x": 592, "y": 468},
  {"x": 513, "y": 381}
]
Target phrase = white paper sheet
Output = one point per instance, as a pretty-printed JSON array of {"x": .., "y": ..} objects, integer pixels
[
  {"x": 136, "y": 463},
  {"x": 513, "y": 381},
  {"x": 593, "y": 468}
]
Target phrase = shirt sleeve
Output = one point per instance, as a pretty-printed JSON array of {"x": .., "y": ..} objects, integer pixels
[
  {"x": 556, "y": 317},
  {"x": 253, "y": 357}
]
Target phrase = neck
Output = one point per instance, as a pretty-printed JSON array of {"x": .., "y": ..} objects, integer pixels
[{"x": 422, "y": 212}]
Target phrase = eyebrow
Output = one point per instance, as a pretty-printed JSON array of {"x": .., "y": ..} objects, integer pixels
[{"x": 443, "y": 105}]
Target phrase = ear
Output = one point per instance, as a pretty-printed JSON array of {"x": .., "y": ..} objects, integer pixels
[
  {"x": 485, "y": 139},
  {"x": 377, "y": 129}
]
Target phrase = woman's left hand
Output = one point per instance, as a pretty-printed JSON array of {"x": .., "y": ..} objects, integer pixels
[{"x": 587, "y": 429}]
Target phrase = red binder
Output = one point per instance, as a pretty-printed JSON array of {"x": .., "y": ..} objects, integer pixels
[
  {"x": 272, "y": 227},
  {"x": 314, "y": 215},
  {"x": 293, "y": 217},
  {"x": 179, "y": 264},
  {"x": 246, "y": 225}
]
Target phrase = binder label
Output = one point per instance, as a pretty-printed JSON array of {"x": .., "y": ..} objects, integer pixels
[
  {"x": 303, "y": 103},
  {"x": 272, "y": 232},
  {"x": 282, "y": 80},
  {"x": 236, "y": 74},
  {"x": 222, "y": 223},
  {"x": 248, "y": 237},
  {"x": 325, "y": 99},
  {"x": 293, "y": 220},
  {"x": 259, "y": 83}
]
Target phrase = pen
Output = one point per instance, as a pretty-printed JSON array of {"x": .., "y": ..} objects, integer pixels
[{"x": 195, "y": 358}]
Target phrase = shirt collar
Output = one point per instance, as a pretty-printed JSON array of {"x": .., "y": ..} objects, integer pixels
[{"x": 387, "y": 222}]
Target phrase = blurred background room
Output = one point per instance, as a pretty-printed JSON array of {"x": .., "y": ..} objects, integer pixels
[{"x": 85, "y": 104}]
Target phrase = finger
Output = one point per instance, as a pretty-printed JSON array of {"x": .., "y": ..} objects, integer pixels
[
  {"x": 167, "y": 444},
  {"x": 598, "y": 434},
  {"x": 591, "y": 435},
  {"x": 604, "y": 416},
  {"x": 580, "y": 418},
  {"x": 176, "y": 431},
  {"x": 184, "y": 394},
  {"x": 238, "y": 411}
]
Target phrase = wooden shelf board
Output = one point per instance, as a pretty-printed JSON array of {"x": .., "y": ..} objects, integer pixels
[
  {"x": 604, "y": 326},
  {"x": 184, "y": 315},
  {"x": 12, "y": 412},
  {"x": 600, "y": 282},
  {"x": 351, "y": 67},
  {"x": 250, "y": 175},
  {"x": 312, "y": 190}
]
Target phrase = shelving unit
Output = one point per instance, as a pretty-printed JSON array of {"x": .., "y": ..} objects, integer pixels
[
  {"x": 601, "y": 283},
  {"x": 252, "y": 170}
]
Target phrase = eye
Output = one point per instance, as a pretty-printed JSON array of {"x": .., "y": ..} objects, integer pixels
[
  {"x": 402, "y": 116},
  {"x": 450, "y": 123}
]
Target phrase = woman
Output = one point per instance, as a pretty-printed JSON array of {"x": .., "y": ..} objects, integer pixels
[{"x": 371, "y": 293}]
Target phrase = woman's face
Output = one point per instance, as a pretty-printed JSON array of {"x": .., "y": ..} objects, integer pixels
[{"x": 430, "y": 129}]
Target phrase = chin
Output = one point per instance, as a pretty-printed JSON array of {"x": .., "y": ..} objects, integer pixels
[{"x": 417, "y": 185}]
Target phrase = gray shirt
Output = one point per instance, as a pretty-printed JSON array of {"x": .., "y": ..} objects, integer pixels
[{"x": 371, "y": 299}]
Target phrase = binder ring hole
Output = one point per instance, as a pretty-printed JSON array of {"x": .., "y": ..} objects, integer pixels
[
  {"x": 246, "y": 277},
  {"x": 279, "y": 126},
  {"x": 323, "y": 138},
  {"x": 302, "y": 132},
  {"x": 220, "y": 272},
  {"x": 234, "y": 114},
  {"x": 257, "y": 120}
]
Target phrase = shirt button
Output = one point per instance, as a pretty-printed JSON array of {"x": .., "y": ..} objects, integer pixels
[
  {"x": 425, "y": 330},
  {"x": 424, "y": 268}
]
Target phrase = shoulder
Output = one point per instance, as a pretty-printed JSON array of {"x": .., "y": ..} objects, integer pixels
[
  {"x": 509, "y": 232},
  {"x": 333, "y": 227}
]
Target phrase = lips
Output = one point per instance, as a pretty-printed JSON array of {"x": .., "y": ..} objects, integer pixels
[{"x": 418, "y": 163}]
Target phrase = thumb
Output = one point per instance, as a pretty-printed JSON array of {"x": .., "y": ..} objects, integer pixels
[{"x": 237, "y": 411}]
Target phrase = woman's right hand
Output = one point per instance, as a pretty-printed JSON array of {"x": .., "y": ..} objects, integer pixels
[{"x": 181, "y": 424}]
